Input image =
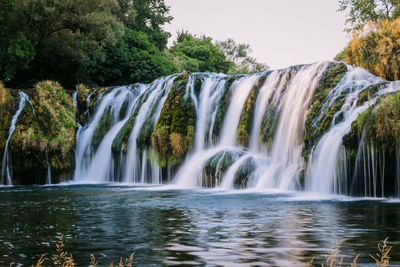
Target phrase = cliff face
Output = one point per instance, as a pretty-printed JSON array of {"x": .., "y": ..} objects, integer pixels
[{"x": 154, "y": 130}]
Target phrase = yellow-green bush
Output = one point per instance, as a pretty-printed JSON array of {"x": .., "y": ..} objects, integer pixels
[
  {"x": 47, "y": 135},
  {"x": 376, "y": 48}
]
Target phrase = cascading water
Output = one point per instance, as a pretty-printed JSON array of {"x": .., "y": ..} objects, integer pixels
[
  {"x": 249, "y": 131},
  {"x": 97, "y": 165},
  {"x": 5, "y": 170},
  {"x": 93, "y": 166},
  {"x": 327, "y": 166},
  {"x": 48, "y": 180},
  {"x": 74, "y": 99}
]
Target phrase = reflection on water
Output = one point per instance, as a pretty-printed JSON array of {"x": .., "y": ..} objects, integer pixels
[{"x": 189, "y": 227}]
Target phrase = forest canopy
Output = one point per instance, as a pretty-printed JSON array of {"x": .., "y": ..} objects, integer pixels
[{"x": 107, "y": 42}]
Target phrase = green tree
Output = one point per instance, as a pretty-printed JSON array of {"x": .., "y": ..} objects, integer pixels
[
  {"x": 198, "y": 54},
  {"x": 148, "y": 16},
  {"x": 360, "y": 12},
  {"x": 239, "y": 54},
  {"x": 133, "y": 59},
  {"x": 54, "y": 39}
]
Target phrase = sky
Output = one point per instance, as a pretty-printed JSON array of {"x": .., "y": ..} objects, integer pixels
[{"x": 281, "y": 32}]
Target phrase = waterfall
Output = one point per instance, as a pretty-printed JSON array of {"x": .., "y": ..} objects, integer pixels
[
  {"x": 249, "y": 131},
  {"x": 74, "y": 99},
  {"x": 132, "y": 171},
  {"x": 97, "y": 164},
  {"x": 93, "y": 166},
  {"x": 327, "y": 162},
  {"x": 189, "y": 175},
  {"x": 48, "y": 180},
  {"x": 5, "y": 169}
]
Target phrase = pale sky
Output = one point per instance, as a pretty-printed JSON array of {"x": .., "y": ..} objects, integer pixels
[{"x": 281, "y": 32}]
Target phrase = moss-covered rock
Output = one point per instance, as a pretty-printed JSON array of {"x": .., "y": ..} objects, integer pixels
[
  {"x": 222, "y": 107},
  {"x": 319, "y": 120},
  {"x": 120, "y": 143},
  {"x": 82, "y": 93},
  {"x": 102, "y": 128},
  {"x": 246, "y": 119},
  {"x": 269, "y": 123},
  {"x": 376, "y": 129},
  {"x": 216, "y": 167},
  {"x": 381, "y": 123},
  {"x": 6, "y": 109},
  {"x": 173, "y": 135},
  {"x": 243, "y": 174},
  {"x": 47, "y": 135}
]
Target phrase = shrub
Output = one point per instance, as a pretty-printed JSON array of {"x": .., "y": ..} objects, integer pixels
[{"x": 376, "y": 48}]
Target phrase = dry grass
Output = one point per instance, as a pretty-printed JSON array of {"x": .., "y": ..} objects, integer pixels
[
  {"x": 61, "y": 258},
  {"x": 381, "y": 258},
  {"x": 178, "y": 145}
]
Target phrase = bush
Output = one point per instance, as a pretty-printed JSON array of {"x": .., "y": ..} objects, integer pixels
[{"x": 376, "y": 48}]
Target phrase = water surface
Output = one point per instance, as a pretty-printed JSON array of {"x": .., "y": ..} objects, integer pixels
[{"x": 199, "y": 227}]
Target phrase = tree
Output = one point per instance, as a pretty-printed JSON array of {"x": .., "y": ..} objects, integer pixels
[
  {"x": 360, "y": 12},
  {"x": 133, "y": 59},
  {"x": 55, "y": 39},
  {"x": 148, "y": 16},
  {"x": 239, "y": 54},
  {"x": 198, "y": 54}
]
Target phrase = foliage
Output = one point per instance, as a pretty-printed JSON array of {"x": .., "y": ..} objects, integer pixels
[
  {"x": 381, "y": 124},
  {"x": 377, "y": 49},
  {"x": 6, "y": 101},
  {"x": 148, "y": 16},
  {"x": 49, "y": 134},
  {"x": 387, "y": 120},
  {"x": 67, "y": 41},
  {"x": 361, "y": 12},
  {"x": 201, "y": 54},
  {"x": 239, "y": 54},
  {"x": 198, "y": 54},
  {"x": 133, "y": 59},
  {"x": 55, "y": 39}
]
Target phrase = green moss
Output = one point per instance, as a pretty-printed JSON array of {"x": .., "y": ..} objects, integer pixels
[
  {"x": 367, "y": 94},
  {"x": 94, "y": 97},
  {"x": 246, "y": 118},
  {"x": 177, "y": 120},
  {"x": 222, "y": 108},
  {"x": 376, "y": 129},
  {"x": 82, "y": 95},
  {"x": 243, "y": 174},
  {"x": 6, "y": 110},
  {"x": 102, "y": 128},
  {"x": 269, "y": 123},
  {"x": 120, "y": 143},
  {"x": 316, "y": 125},
  {"x": 50, "y": 133},
  {"x": 216, "y": 167}
]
